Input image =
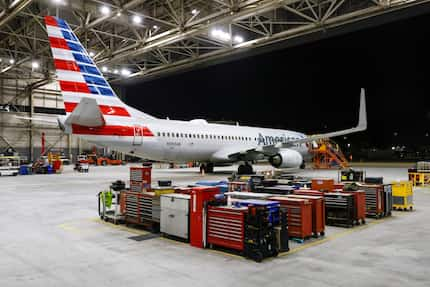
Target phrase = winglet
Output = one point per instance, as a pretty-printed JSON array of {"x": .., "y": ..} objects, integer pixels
[{"x": 362, "y": 120}]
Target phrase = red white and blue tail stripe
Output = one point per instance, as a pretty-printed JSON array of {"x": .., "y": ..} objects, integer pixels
[{"x": 77, "y": 74}]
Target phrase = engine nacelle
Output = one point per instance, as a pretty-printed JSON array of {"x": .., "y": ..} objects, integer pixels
[{"x": 286, "y": 158}]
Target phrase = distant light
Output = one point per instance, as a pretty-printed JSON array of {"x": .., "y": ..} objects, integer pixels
[
  {"x": 116, "y": 71},
  {"x": 11, "y": 61},
  {"x": 393, "y": 148},
  {"x": 92, "y": 54},
  {"x": 58, "y": 1},
  {"x": 105, "y": 69},
  {"x": 137, "y": 19},
  {"x": 125, "y": 72},
  {"x": 105, "y": 10},
  {"x": 155, "y": 27},
  {"x": 118, "y": 14},
  {"x": 194, "y": 11},
  {"x": 35, "y": 65},
  {"x": 349, "y": 145},
  {"x": 238, "y": 39}
]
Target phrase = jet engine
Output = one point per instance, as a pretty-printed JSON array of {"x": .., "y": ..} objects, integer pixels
[{"x": 286, "y": 158}]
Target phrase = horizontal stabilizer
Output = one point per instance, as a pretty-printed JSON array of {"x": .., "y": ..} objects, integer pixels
[{"x": 87, "y": 113}]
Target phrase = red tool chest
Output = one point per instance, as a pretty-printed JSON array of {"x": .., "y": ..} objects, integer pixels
[
  {"x": 140, "y": 179},
  {"x": 199, "y": 195},
  {"x": 318, "y": 213},
  {"x": 308, "y": 192},
  {"x": 360, "y": 205},
  {"x": 299, "y": 216},
  {"x": 374, "y": 199},
  {"x": 226, "y": 227},
  {"x": 322, "y": 184}
]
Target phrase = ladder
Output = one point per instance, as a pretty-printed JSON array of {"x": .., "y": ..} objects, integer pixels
[{"x": 326, "y": 154}]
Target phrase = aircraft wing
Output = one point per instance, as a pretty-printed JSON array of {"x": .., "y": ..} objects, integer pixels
[{"x": 273, "y": 149}]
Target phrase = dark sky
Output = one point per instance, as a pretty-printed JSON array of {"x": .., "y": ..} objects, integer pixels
[{"x": 313, "y": 87}]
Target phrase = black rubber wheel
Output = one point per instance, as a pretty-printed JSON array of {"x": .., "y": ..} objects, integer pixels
[
  {"x": 209, "y": 168},
  {"x": 258, "y": 257},
  {"x": 241, "y": 169}
]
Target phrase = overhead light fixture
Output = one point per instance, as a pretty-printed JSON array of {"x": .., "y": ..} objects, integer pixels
[
  {"x": 35, "y": 65},
  {"x": 125, "y": 72},
  {"x": 58, "y": 1},
  {"x": 220, "y": 35},
  {"x": 118, "y": 14},
  {"x": 116, "y": 71},
  {"x": 238, "y": 39},
  {"x": 155, "y": 27},
  {"x": 92, "y": 54},
  {"x": 11, "y": 61},
  {"x": 105, "y": 69},
  {"x": 105, "y": 10},
  {"x": 137, "y": 19},
  {"x": 194, "y": 11}
]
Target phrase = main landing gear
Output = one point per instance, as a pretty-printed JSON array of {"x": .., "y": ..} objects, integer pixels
[
  {"x": 245, "y": 169},
  {"x": 207, "y": 167}
]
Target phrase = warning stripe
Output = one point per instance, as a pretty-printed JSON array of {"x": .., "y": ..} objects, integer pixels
[
  {"x": 106, "y": 110},
  {"x": 67, "y": 86},
  {"x": 51, "y": 21},
  {"x": 111, "y": 131},
  {"x": 58, "y": 43},
  {"x": 66, "y": 65}
]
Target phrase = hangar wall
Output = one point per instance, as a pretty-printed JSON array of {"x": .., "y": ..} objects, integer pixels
[{"x": 19, "y": 97}]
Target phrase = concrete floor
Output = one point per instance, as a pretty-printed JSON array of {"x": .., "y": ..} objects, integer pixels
[{"x": 50, "y": 236}]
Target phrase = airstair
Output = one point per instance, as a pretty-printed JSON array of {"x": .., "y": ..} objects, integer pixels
[{"x": 326, "y": 154}]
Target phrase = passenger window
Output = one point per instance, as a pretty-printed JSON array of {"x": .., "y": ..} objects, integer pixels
[
  {"x": 194, "y": 136},
  {"x": 206, "y": 136},
  {"x": 168, "y": 134},
  {"x": 158, "y": 134},
  {"x": 177, "y": 135}
]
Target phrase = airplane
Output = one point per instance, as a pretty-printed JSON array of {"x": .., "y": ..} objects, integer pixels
[{"x": 97, "y": 115}]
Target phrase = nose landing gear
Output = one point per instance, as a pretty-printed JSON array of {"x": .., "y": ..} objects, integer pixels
[{"x": 245, "y": 169}]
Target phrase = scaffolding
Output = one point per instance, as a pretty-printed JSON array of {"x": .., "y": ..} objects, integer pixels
[{"x": 326, "y": 154}]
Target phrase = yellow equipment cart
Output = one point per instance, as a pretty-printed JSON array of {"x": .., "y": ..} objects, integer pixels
[{"x": 403, "y": 195}]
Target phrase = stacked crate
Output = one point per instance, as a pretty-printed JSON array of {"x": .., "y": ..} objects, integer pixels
[
  {"x": 374, "y": 199},
  {"x": 225, "y": 226},
  {"x": 140, "y": 179},
  {"x": 299, "y": 216},
  {"x": 339, "y": 209},
  {"x": 318, "y": 213}
]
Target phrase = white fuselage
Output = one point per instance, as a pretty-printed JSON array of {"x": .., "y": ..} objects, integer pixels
[{"x": 183, "y": 141}]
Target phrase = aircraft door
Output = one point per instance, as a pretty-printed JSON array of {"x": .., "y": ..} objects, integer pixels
[{"x": 138, "y": 135}]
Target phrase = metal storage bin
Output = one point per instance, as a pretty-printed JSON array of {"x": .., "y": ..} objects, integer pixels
[
  {"x": 339, "y": 209},
  {"x": 318, "y": 213},
  {"x": 299, "y": 216},
  {"x": 226, "y": 227},
  {"x": 322, "y": 184},
  {"x": 175, "y": 210},
  {"x": 388, "y": 199},
  {"x": 374, "y": 199}
]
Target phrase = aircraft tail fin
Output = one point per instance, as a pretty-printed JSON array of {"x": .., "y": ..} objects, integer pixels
[{"x": 77, "y": 74}]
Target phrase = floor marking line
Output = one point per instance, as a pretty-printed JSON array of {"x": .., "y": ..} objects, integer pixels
[
  {"x": 119, "y": 227},
  {"x": 335, "y": 236}
]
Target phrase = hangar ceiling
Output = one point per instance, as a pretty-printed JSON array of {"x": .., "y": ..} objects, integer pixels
[{"x": 145, "y": 38}]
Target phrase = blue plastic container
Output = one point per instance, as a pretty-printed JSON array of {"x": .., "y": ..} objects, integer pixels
[{"x": 272, "y": 206}]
